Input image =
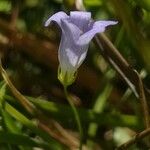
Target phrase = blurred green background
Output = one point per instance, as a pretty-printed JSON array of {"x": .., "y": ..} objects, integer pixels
[{"x": 110, "y": 113}]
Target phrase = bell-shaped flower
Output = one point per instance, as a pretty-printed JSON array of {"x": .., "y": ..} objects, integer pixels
[{"x": 78, "y": 29}]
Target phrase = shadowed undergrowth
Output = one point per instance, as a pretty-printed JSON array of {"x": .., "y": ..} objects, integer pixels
[{"x": 111, "y": 92}]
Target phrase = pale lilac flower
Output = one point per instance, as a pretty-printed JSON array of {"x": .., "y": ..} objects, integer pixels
[{"x": 78, "y": 29}]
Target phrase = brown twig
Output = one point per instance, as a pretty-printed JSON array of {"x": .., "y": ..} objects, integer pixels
[
  {"x": 130, "y": 75},
  {"x": 116, "y": 60},
  {"x": 125, "y": 12},
  {"x": 52, "y": 129},
  {"x": 144, "y": 104},
  {"x": 133, "y": 30},
  {"x": 134, "y": 140},
  {"x": 44, "y": 122},
  {"x": 22, "y": 100}
]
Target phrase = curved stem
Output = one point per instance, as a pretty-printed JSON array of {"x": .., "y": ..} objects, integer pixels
[{"x": 76, "y": 116}]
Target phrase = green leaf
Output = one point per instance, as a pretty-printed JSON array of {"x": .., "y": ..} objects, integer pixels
[
  {"x": 53, "y": 144},
  {"x": 2, "y": 93},
  {"x": 10, "y": 123},
  {"x": 63, "y": 113},
  {"x": 5, "y": 6},
  {"x": 19, "y": 139},
  {"x": 99, "y": 107},
  {"x": 93, "y": 3},
  {"x": 145, "y": 4}
]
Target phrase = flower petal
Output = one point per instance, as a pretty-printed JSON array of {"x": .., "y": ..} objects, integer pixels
[
  {"x": 66, "y": 59},
  {"x": 80, "y": 19},
  {"x": 71, "y": 31},
  {"x": 57, "y": 18},
  {"x": 98, "y": 27},
  {"x": 76, "y": 55},
  {"x": 70, "y": 55}
]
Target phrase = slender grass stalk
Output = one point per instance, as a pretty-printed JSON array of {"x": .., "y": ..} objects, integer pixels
[{"x": 76, "y": 115}]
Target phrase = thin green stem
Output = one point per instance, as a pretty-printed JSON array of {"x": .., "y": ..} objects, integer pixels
[{"x": 76, "y": 116}]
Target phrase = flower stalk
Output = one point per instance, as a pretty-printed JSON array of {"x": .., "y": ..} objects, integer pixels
[
  {"x": 77, "y": 118},
  {"x": 78, "y": 29}
]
